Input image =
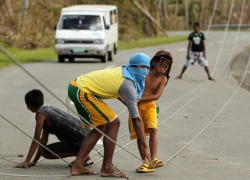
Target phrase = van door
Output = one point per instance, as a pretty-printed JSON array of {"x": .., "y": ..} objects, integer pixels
[
  {"x": 107, "y": 33},
  {"x": 114, "y": 27}
]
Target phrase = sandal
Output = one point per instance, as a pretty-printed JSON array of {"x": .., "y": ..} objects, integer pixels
[
  {"x": 86, "y": 164},
  {"x": 145, "y": 168},
  {"x": 158, "y": 163}
]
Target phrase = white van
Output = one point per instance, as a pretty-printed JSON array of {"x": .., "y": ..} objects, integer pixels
[{"x": 87, "y": 31}]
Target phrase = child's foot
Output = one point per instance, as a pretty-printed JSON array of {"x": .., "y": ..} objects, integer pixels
[
  {"x": 81, "y": 170},
  {"x": 211, "y": 79},
  {"x": 85, "y": 162},
  {"x": 145, "y": 168},
  {"x": 116, "y": 174},
  {"x": 157, "y": 163},
  {"x": 179, "y": 77},
  {"x": 112, "y": 172}
]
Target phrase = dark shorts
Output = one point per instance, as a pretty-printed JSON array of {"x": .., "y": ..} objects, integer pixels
[{"x": 61, "y": 148}]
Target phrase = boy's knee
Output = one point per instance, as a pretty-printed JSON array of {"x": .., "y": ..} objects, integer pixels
[
  {"x": 152, "y": 131},
  {"x": 102, "y": 127},
  {"x": 114, "y": 124},
  {"x": 45, "y": 153},
  {"x": 186, "y": 64}
]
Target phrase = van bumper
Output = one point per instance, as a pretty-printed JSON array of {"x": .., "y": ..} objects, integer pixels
[{"x": 81, "y": 50}]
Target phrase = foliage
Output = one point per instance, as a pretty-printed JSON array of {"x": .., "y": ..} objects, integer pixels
[
  {"x": 36, "y": 28},
  {"x": 43, "y": 54}
]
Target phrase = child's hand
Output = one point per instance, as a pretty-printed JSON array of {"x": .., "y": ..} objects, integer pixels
[{"x": 24, "y": 165}]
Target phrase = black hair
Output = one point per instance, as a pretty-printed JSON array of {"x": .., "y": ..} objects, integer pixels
[
  {"x": 162, "y": 55},
  {"x": 196, "y": 24},
  {"x": 34, "y": 98}
]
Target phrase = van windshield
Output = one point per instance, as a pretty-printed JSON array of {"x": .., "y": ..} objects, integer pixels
[{"x": 84, "y": 22}]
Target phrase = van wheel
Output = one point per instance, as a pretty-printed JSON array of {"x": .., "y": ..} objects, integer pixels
[
  {"x": 71, "y": 59},
  {"x": 110, "y": 55},
  {"x": 104, "y": 58},
  {"x": 115, "y": 49},
  {"x": 61, "y": 58}
]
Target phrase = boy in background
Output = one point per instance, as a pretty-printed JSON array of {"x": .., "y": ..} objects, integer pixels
[{"x": 198, "y": 51}]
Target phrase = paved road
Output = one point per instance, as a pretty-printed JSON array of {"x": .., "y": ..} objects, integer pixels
[{"x": 221, "y": 152}]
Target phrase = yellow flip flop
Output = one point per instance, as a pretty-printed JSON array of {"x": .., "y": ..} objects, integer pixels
[{"x": 145, "y": 168}]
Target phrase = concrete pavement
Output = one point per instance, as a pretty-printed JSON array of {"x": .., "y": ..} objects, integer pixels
[{"x": 221, "y": 152}]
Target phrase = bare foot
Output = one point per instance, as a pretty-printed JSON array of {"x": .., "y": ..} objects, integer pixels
[
  {"x": 179, "y": 77},
  {"x": 85, "y": 162},
  {"x": 88, "y": 158},
  {"x": 81, "y": 170},
  {"x": 211, "y": 79},
  {"x": 112, "y": 172}
]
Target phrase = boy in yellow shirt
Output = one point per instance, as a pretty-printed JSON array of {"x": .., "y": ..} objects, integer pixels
[
  {"x": 155, "y": 83},
  {"x": 88, "y": 91}
]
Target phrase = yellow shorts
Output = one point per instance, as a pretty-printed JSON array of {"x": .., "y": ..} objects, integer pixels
[
  {"x": 90, "y": 107},
  {"x": 149, "y": 112}
]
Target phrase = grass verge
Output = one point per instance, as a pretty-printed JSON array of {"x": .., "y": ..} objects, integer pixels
[
  {"x": 26, "y": 56},
  {"x": 45, "y": 54}
]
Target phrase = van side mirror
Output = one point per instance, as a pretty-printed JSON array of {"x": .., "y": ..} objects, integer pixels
[
  {"x": 107, "y": 27},
  {"x": 55, "y": 27}
]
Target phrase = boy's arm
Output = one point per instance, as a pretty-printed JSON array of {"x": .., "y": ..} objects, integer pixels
[
  {"x": 44, "y": 140},
  {"x": 188, "y": 48},
  {"x": 157, "y": 95},
  {"x": 189, "y": 45},
  {"x": 204, "y": 49},
  {"x": 122, "y": 100},
  {"x": 139, "y": 129},
  {"x": 33, "y": 147},
  {"x": 203, "y": 38},
  {"x": 128, "y": 93}
]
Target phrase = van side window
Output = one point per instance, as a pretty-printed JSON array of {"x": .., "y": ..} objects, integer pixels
[
  {"x": 113, "y": 18},
  {"x": 115, "y": 13}
]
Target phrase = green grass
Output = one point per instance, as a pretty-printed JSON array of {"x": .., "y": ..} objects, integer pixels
[
  {"x": 45, "y": 54},
  {"x": 248, "y": 48},
  {"x": 26, "y": 56}
]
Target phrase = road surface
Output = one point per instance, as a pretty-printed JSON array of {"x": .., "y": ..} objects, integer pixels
[{"x": 221, "y": 152}]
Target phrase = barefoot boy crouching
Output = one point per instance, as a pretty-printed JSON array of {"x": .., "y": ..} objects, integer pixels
[
  {"x": 88, "y": 91},
  {"x": 51, "y": 120},
  {"x": 155, "y": 83}
]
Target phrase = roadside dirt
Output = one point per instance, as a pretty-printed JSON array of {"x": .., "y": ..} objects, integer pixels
[{"x": 238, "y": 67}]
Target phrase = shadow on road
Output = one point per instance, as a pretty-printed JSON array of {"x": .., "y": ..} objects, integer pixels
[{"x": 76, "y": 61}]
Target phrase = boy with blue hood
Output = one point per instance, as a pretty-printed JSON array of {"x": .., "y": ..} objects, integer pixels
[{"x": 88, "y": 90}]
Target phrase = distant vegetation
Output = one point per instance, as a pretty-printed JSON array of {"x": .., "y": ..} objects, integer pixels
[
  {"x": 34, "y": 28},
  {"x": 44, "y": 54}
]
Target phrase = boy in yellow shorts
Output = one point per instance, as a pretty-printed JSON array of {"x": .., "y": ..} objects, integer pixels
[{"x": 155, "y": 83}]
